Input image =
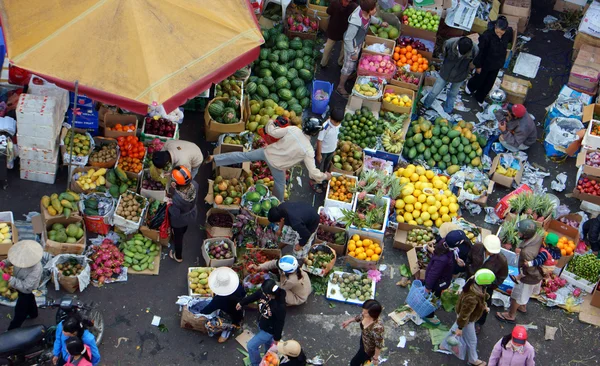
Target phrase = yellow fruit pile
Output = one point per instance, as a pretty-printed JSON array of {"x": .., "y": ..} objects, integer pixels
[
  {"x": 398, "y": 100},
  {"x": 363, "y": 248},
  {"x": 340, "y": 188},
  {"x": 425, "y": 198}
]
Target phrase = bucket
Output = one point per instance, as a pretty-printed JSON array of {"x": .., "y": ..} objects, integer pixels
[{"x": 320, "y": 106}]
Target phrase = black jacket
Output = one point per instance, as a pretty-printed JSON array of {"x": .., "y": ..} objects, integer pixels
[
  {"x": 271, "y": 313},
  {"x": 301, "y": 217},
  {"x": 183, "y": 212},
  {"x": 295, "y": 361},
  {"x": 227, "y": 304},
  {"x": 338, "y": 19},
  {"x": 591, "y": 232},
  {"x": 496, "y": 263},
  {"x": 492, "y": 50},
  {"x": 455, "y": 67}
]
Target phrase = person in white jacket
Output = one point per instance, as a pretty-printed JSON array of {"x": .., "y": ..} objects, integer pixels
[{"x": 292, "y": 147}]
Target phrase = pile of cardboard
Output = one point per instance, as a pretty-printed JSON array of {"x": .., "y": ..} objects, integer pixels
[
  {"x": 520, "y": 9},
  {"x": 586, "y": 70}
]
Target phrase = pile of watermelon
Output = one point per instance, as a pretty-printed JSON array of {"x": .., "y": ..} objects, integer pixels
[
  {"x": 225, "y": 111},
  {"x": 282, "y": 71}
]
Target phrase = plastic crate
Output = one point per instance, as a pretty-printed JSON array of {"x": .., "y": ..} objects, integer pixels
[
  {"x": 320, "y": 106},
  {"x": 418, "y": 301}
]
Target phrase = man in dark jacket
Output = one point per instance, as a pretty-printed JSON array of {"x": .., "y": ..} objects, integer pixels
[
  {"x": 487, "y": 255},
  {"x": 182, "y": 211},
  {"x": 301, "y": 218},
  {"x": 438, "y": 276},
  {"x": 493, "y": 44},
  {"x": 591, "y": 233},
  {"x": 522, "y": 291},
  {"x": 518, "y": 131},
  {"x": 458, "y": 55},
  {"x": 339, "y": 11}
]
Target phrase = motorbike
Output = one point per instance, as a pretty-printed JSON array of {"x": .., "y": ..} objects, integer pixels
[{"x": 33, "y": 345}]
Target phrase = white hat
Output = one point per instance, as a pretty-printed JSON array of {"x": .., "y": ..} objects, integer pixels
[
  {"x": 447, "y": 227},
  {"x": 289, "y": 348},
  {"x": 25, "y": 253},
  {"x": 492, "y": 244},
  {"x": 223, "y": 281}
]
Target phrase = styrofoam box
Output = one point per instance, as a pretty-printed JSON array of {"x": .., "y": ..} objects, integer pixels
[
  {"x": 32, "y": 153},
  {"x": 41, "y": 177},
  {"x": 379, "y": 234},
  {"x": 589, "y": 139},
  {"x": 37, "y": 110},
  {"x": 336, "y": 203},
  {"x": 42, "y": 131},
  {"x": 37, "y": 142},
  {"x": 338, "y": 293},
  {"x": 39, "y": 165}
]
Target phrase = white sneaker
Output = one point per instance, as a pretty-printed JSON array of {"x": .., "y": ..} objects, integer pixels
[{"x": 467, "y": 89}]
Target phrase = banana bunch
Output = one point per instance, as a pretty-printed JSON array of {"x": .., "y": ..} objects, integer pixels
[
  {"x": 59, "y": 204},
  {"x": 510, "y": 172},
  {"x": 392, "y": 141}
]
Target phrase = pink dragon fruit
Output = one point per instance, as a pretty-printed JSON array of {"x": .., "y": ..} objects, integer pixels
[
  {"x": 314, "y": 25},
  {"x": 290, "y": 20},
  {"x": 551, "y": 295},
  {"x": 577, "y": 292},
  {"x": 306, "y": 21},
  {"x": 299, "y": 18}
]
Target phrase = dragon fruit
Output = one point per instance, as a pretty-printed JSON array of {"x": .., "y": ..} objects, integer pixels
[
  {"x": 299, "y": 18},
  {"x": 577, "y": 292},
  {"x": 106, "y": 261},
  {"x": 290, "y": 20},
  {"x": 551, "y": 295},
  {"x": 314, "y": 25}
]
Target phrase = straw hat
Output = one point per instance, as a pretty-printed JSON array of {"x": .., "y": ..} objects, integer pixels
[
  {"x": 447, "y": 227},
  {"x": 289, "y": 348},
  {"x": 25, "y": 253},
  {"x": 223, "y": 281},
  {"x": 491, "y": 243}
]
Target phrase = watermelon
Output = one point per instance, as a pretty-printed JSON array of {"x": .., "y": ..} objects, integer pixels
[
  {"x": 268, "y": 81},
  {"x": 307, "y": 50},
  {"x": 307, "y": 60},
  {"x": 296, "y": 45},
  {"x": 291, "y": 54},
  {"x": 308, "y": 43},
  {"x": 280, "y": 70},
  {"x": 296, "y": 108},
  {"x": 283, "y": 104},
  {"x": 253, "y": 78},
  {"x": 305, "y": 102},
  {"x": 285, "y": 94},
  {"x": 234, "y": 103},
  {"x": 301, "y": 92},
  {"x": 229, "y": 116},
  {"x": 264, "y": 54},
  {"x": 264, "y": 64},
  {"x": 262, "y": 91},
  {"x": 293, "y": 101},
  {"x": 299, "y": 54},
  {"x": 266, "y": 34},
  {"x": 264, "y": 73},
  {"x": 297, "y": 82},
  {"x": 298, "y": 64},
  {"x": 282, "y": 45},
  {"x": 291, "y": 74},
  {"x": 305, "y": 74},
  {"x": 273, "y": 66},
  {"x": 281, "y": 38},
  {"x": 274, "y": 96},
  {"x": 273, "y": 57},
  {"x": 272, "y": 89},
  {"x": 280, "y": 82},
  {"x": 215, "y": 109},
  {"x": 284, "y": 57}
]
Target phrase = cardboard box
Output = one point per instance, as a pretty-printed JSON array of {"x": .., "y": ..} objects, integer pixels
[
  {"x": 580, "y": 40},
  {"x": 516, "y": 89},
  {"x": 210, "y": 199},
  {"x": 193, "y": 321},
  {"x": 596, "y": 296},
  {"x": 589, "y": 111},
  {"x": 419, "y": 75},
  {"x": 154, "y": 235},
  {"x": 518, "y": 8},
  {"x": 401, "y": 236},
  {"x": 214, "y": 231},
  {"x": 502, "y": 206},
  {"x": 271, "y": 254},
  {"x": 213, "y": 129},
  {"x": 480, "y": 25},
  {"x": 56, "y": 248},
  {"x": 501, "y": 179},
  {"x": 4, "y": 248},
  {"x": 482, "y": 201},
  {"x": 569, "y": 5},
  {"x": 149, "y": 272},
  {"x": 408, "y": 31},
  {"x": 218, "y": 262},
  {"x": 112, "y": 119},
  {"x": 370, "y": 39},
  {"x": 413, "y": 264},
  {"x": 363, "y": 264},
  {"x": 585, "y": 196},
  {"x": 585, "y": 72},
  {"x": 340, "y": 204},
  {"x": 340, "y": 249},
  {"x": 399, "y": 91},
  {"x": 562, "y": 229},
  {"x": 587, "y": 169},
  {"x": 157, "y": 195},
  {"x": 228, "y": 172}
]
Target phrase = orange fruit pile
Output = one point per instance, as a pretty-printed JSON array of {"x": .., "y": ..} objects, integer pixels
[
  {"x": 410, "y": 56},
  {"x": 130, "y": 164},
  {"x": 566, "y": 246},
  {"x": 364, "y": 248},
  {"x": 270, "y": 360},
  {"x": 340, "y": 188},
  {"x": 121, "y": 128}
]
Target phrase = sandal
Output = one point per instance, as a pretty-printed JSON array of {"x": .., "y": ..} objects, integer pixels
[
  {"x": 433, "y": 321},
  {"x": 172, "y": 256},
  {"x": 344, "y": 93},
  {"x": 478, "y": 363},
  {"x": 503, "y": 318},
  {"x": 315, "y": 187},
  {"x": 520, "y": 310}
]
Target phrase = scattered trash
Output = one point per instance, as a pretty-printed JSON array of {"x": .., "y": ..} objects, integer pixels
[
  {"x": 549, "y": 19},
  {"x": 404, "y": 316},
  {"x": 155, "y": 320},
  {"x": 527, "y": 65},
  {"x": 550, "y": 332},
  {"x": 559, "y": 183},
  {"x": 331, "y": 305},
  {"x": 299, "y": 181},
  {"x": 374, "y": 274},
  {"x": 124, "y": 339},
  {"x": 534, "y": 178},
  {"x": 402, "y": 342},
  {"x": 473, "y": 208},
  {"x": 317, "y": 360},
  {"x": 382, "y": 267},
  {"x": 491, "y": 217},
  {"x": 163, "y": 328},
  {"x": 500, "y": 300},
  {"x": 404, "y": 281},
  {"x": 530, "y": 326}
]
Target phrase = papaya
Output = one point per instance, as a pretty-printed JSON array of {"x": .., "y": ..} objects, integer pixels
[
  {"x": 123, "y": 188},
  {"x": 114, "y": 191},
  {"x": 436, "y": 131},
  {"x": 460, "y": 148},
  {"x": 456, "y": 141},
  {"x": 75, "y": 196},
  {"x": 437, "y": 157},
  {"x": 66, "y": 204},
  {"x": 467, "y": 149},
  {"x": 453, "y": 134},
  {"x": 111, "y": 177},
  {"x": 446, "y": 158},
  {"x": 67, "y": 212},
  {"x": 476, "y": 162},
  {"x": 427, "y": 154},
  {"x": 443, "y": 150},
  {"x": 45, "y": 201},
  {"x": 464, "y": 140},
  {"x": 65, "y": 196},
  {"x": 433, "y": 150},
  {"x": 452, "y": 169},
  {"x": 452, "y": 150},
  {"x": 442, "y": 165},
  {"x": 120, "y": 174},
  {"x": 461, "y": 157},
  {"x": 427, "y": 142},
  {"x": 421, "y": 147},
  {"x": 53, "y": 196},
  {"x": 454, "y": 160},
  {"x": 417, "y": 138},
  {"x": 412, "y": 152},
  {"x": 445, "y": 140},
  {"x": 409, "y": 142}
]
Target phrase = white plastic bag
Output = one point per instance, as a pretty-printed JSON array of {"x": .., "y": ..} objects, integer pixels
[
  {"x": 454, "y": 345},
  {"x": 83, "y": 277},
  {"x": 563, "y": 131}
]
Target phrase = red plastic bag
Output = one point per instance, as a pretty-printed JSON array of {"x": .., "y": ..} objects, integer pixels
[{"x": 165, "y": 227}]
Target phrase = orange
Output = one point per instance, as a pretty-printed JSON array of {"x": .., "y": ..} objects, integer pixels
[
  {"x": 369, "y": 252},
  {"x": 403, "y": 59},
  {"x": 397, "y": 49},
  {"x": 563, "y": 252},
  {"x": 352, "y": 254},
  {"x": 377, "y": 250},
  {"x": 414, "y": 58},
  {"x": 351, "y": 247},
  {"x": 414, "y": 52},
  {"x": 410, "y": 62},
  {"x": 375, "y": 257},
  {"x": 571, "y": 243},
  {"x": 396, "y": 56},
  {"x": 402, "y": 51},
  {"x": 409, "y": 48}
]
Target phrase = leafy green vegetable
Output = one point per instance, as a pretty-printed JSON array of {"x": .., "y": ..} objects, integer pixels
[{"x": 405, "y": 271}]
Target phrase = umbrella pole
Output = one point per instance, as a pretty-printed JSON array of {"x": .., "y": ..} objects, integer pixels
[{"x": 70, "y": 174}]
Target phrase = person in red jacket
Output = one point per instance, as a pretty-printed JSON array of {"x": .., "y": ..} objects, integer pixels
[
  {"x": 81, "y": 355},
  {"x": 339, "y": 11}
]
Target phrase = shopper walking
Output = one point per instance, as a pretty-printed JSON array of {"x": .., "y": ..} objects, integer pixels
[
  {"x": 469, "y": 308},
  {"x": 458, "y": 54},
  {"x": 292, "y": 279},
  {"x": 458, "y": 242},
  {"x": 228, "y": 292},
  {"x": 531, "y": 282},
  {"x": 513, "y": 350},
  {"x": 25, "y": 257},
  {"x": 292, "y": 147},
  {"x": 182, "y": 211},
  {"x": 371, "y": 339},
  {"x": 487, "y": 255},
  {"x": 271, "y": 318},
  {"x": 339, "y": 11},
  {"x": 298, "y": 223},
  {"x": 438, "y": 275},
  {"x": 69, "y": 328},
  {"x": 493, "y": 44}
]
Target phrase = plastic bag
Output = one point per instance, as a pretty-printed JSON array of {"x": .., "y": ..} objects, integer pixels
[
  {"x": 83, "y": 278},
  {"x": 479, "y": 179},
  {"x": 563, "y": 131},
  {"x": 454, "y": 344}
]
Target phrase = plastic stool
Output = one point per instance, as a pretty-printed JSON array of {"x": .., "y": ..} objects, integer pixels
[{"x": 284, "y": 4}]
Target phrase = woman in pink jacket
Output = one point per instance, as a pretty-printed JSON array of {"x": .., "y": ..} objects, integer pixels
[{"x": 513, "y": 350}]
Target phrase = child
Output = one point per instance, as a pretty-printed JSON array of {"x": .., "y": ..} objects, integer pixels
[
  {"x": 546, "y": 258},
  {"x": 339, "y": 11},
  {"x": 358, "y": 24},
  {"x": 79, "y": 353},
  {"x": 327, "y": 143}
]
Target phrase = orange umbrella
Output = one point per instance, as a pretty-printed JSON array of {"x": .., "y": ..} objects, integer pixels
[{"x": 132, "y": 52}]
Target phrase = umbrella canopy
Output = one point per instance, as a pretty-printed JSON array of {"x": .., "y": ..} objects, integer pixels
[{"x": 132, "y": 52}]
